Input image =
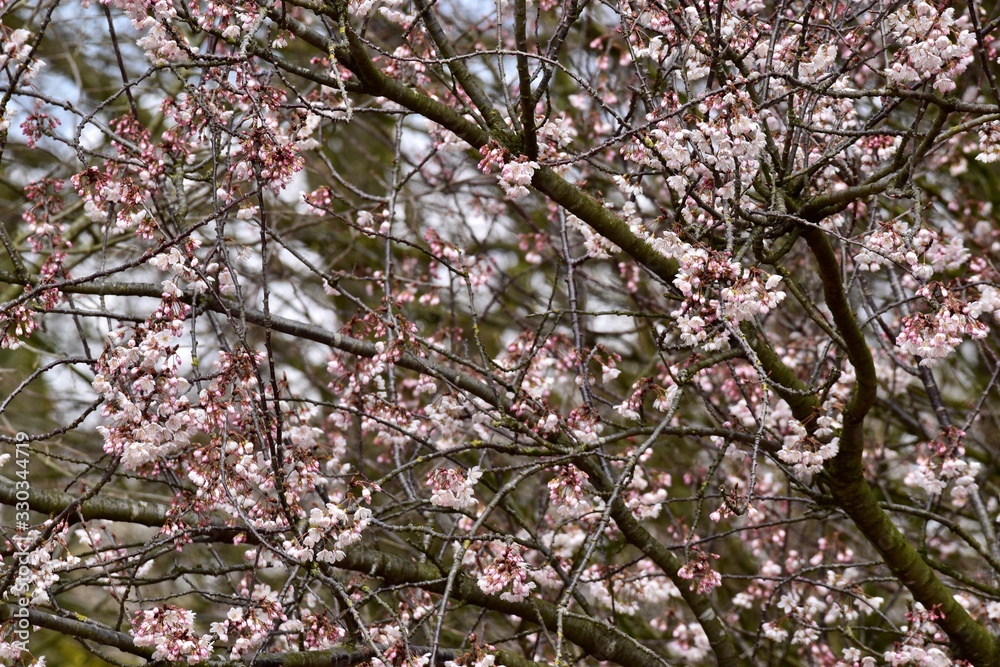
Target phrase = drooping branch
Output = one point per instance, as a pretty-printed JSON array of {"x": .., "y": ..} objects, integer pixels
[
  {"x": 601, "y": 640},
  {"x": 598, "y": 639},
  {"x": 89, "y": 631},
  {"x": 81, "y": 629},
  {"x": 719, "y": 638}
]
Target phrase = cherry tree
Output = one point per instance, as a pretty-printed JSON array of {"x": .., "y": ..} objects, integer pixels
[{"x": 644, "y": 332}]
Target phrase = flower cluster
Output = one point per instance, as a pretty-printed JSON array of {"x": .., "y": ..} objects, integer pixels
[
  {"x": 630, "y": 407},
  {"x": 44, "y": 216},
  {"x": 690, "y": 643},
  {"x": 515, "y": 177},
  {"x": 43, "y": 568},
  {"x": 507, "y": 570},
  {"x": 900, "y": 243},
  {"x": 941, "y": 462},
  {"x": 917, "y": 646},
  {"x": 272, "y": 156},
  {"x": 555, "y": 132},
  {"x": 17, "y": 322},
  {"x": 160, "y": 41},
  {"x": 806, "y": 454},
  {"x": 643, "y": 498},
  {"x": 717, "y": 290},
  {"x": 233, "y": 472},
  {"x": 932, "y": 477},
  {"x": 38, "y": 125},
  {"x": 448, "y": 414},
  {"x": 494, "y": 156},
  {"x": 449, "y": 488},
  {"x": 748, "y": 297},
  {"x": 14, "y": 52},
  {"x": 249, "y": 627},
  {"x": 932, "y": 337},
  {"x": 333, "y": 524},
  {"x": 989, "y": 142},
  {"x": 169, "y": 630},
  {"x": 17, "y": 317},
  {"x": 566, "y": 492},
  {"x": 719, "y": 154},
  {"x": 147, "y": 414},
  {"x": 935, "y": 45},
  {"x": 319, "y": 631},
  {"x": 113, "y": 189},
  {"x": 184, "y": 266}
]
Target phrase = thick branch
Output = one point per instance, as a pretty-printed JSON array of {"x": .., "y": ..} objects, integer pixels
[
  {"x": 470, "y": 84},
  {"x": 111, "y": 509},
  {"x": 866, "y": 389},
  {"x": 79, "y": 629},
  {"x": 524, "y": 80},
  {"x": 855, "y": 496}
]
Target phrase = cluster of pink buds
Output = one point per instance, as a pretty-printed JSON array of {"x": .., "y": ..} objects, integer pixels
[{"x": 699, "y": 571}]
